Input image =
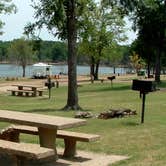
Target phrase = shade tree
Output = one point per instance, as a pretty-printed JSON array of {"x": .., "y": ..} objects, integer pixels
[
  {"x": 6, "y": 6},
  {"x": 102, "y": 27},
  {"x": 21, "y": 53},
  {"x": 61, "y": 17},
  {"x": 150, "y": 21}
]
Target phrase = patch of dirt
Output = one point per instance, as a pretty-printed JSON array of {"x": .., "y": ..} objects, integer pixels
[
  {"x": 4, "y": 86},
  {"x": 89, "y": 159}
]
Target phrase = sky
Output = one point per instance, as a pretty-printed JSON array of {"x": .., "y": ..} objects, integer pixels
[{"x": 15, "y": 23}]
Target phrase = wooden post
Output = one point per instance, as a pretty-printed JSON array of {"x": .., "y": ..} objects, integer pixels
[
  {"x": 57, "y": 84},
  {"x": 92, "y": 78}
]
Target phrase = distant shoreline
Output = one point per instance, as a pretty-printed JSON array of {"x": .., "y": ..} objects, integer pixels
[{"x": 63, "y": 63}]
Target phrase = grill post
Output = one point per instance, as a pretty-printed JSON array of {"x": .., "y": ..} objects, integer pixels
[
  {"x": 49, "y": 84},
  {"x": 144, "y": 87}
]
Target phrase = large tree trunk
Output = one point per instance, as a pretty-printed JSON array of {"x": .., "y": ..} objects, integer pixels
[
  {"x": 114, "y": 69},
  {"x": 23, "y": 69},
  {"x": 149, "y": 64},
  {"x": 157, "y": 66},
  {"x": 92, "y": 67},
  {"x": 96, "y": 74},
  {"x": 148, "y": 68},
  {"x": 72, "y": 101}
]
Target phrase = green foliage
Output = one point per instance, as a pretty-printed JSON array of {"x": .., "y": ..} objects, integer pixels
[
  {"x": 150, "y": 20},
  {"x": 59, "y": 52},
  {"x": 50, "y": 51},
  {"x": 6, "y": 6},
  {"x": 53, "y": 51},
  {"x": 137, "y": 62},
  {"x": 102, "y": 26},
  {"x": 114, "y": 54},
  {"x": 61, "y": 17},
  {"x": 21, "y": 53},
  {"x": 3, "y": 50},
  {"x": 53, "y": 15},
  {"x": 125, "y": 51},
  {"x": 46, "y": 51}
]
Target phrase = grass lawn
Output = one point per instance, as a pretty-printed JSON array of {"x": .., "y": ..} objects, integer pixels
[{"x": 144, "y": 143}]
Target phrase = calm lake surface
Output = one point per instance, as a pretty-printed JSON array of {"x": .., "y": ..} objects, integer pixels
[{"x": 8, "y": 70}]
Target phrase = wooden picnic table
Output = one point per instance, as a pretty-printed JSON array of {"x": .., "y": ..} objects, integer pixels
[
  {"x": 34, "y": 88},
  {"x": 47, "y": 125}
]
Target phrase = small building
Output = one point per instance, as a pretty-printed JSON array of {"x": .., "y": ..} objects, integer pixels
[{"x": 41, "y": 70}]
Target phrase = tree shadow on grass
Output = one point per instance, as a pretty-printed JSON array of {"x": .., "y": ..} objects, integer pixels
[
  {"x": 55, "y": 110},
  {"x": 43, "y": 110},
  {"x": 129, "y": 123},
  {"x": 124, "y": 87},
  {"x": 103, "y": 89}
]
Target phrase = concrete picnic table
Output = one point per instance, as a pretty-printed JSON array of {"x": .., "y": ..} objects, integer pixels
[
  {"x": 34, "y": 88},
  {"x": 47, "y": 125}
]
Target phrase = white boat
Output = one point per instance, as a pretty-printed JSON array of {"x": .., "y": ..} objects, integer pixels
[{"x": 41, "y": 70}]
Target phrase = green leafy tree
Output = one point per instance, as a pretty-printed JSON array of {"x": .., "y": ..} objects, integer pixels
[
  {"x": 150, "y": 20},
  {"x": 146, "y": 52},
  {"x": 46, "y": 51},
  {"x": 59, "y": 52},
  {"x": 125, "y": 51},
  {"x": 102, "y": 26},
  {"x": 36, "y": 46},
  {"x": 6, "y": 6},
  {"x": 137, "y": 62},
  {"x": 114, "y": 56},
  {"x": 61, "y": 17},
  {"x": 21, "y": 53},
  {"x": 3, "y": 50}
]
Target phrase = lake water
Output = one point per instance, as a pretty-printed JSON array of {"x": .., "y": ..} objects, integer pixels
[{"x": 8, "y": 70}]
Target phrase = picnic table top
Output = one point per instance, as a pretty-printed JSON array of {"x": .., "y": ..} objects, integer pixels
[
  {"x": 30, "y": 86},
  {"x": 40, "y": 120}
]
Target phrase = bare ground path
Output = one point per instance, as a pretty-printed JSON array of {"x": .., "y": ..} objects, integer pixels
[{"x": 4, "y": 85}]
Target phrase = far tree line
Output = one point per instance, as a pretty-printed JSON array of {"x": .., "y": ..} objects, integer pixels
[
  {"x": 56, "y": 52},
  {"x": 46, "y": 51}
]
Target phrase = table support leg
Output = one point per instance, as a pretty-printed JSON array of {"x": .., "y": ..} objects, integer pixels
[
  {"x": 70, "y": 148},
  {"x": 47, "y": 138},
  {"x": 34, "y": 91},
  {"x": 20, "y": 88}
]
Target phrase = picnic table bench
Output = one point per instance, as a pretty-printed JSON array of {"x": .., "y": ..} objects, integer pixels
[
  {"x": 21, "y": 92},
  {"x": 22, "y": 152},
  {"x": 70, "y": 138},
  {"x": 28, "y": 90},
  {"x": 47, "y": 125}
]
